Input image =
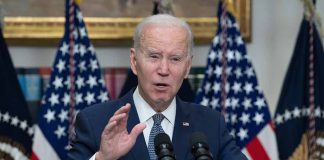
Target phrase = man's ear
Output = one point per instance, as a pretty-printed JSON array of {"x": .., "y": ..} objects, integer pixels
[{"x": 133, "y": 62}]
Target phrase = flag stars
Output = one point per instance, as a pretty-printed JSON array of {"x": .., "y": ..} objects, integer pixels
[
  {"x": 76, "y": 34},
  {"x": 204, "y": 102},
  {"x": 92, "y": 81},
  {"x": 103, "y": 96},
  {"x": 245, "y": 118},
  {"x": 212, "y": 56},
  {"x": 207, "y": 87},
  {"x": 260, "y": 102},
  {"x": 90, "y": 98},
  {"x": 235, "y": 103},
  {"x": 287, "y": 115},
  {"x": 216, "y": 87},
  {"x": 91, "y": 49},
  {"x": 258, "y": 118},
  {"x": 60, "y": 66},
  {"x": 64, "y": 48},
  {"x": 23, "y": 125},
  {"x": 66, "y": 99},
  {"x": 102, "y": 82},
  {"x": 239, "y": 40},
  {"x": 215, "y": 40},
  {"x": 83, "y": 50},
  {"x": 67, "y": 83},
  {"x": 233, "y": 119},
  {"x": 248, "y": 88},
  {"x": 6, "y": 117},
  {"x": 238, "y": 56},
  {"x": 49, "y": 116},
  {"x": 79, "y": 16},
  {"x": 318, "y": 112},
  {"x": 214, "y": 102},
  {"x": 60, "y": 131},
  {"x": 238, "y": 73},
  {"x": 83, "y": 32},
  {"x": 218, "y": 71},
  {"x": 209, "y": 71},
  {"x": 94, "y": 65},
  {"x": 236, "y": 87},
  {"x": 296, "y": 112},
  {"x": 76, "y": 48},
  {"x": 82, "y": 66},
  {"x": 279, "y": 119},
  {"x": 249, "y": 72},
  {"x": 63, "y": 115},
  {"x": 54, "y": 99},
  {"x": 58, "y": 82},
  {"x": 242, "y": 134},
  {"x": 14, "y": 121},
  {"x": 247, "y": 103},
  {"x": 80, "y": 82},
  {"x": 30, "y": 131},
  {"x": 78, "y": 98},
  {"x": 230, "y": 55}
]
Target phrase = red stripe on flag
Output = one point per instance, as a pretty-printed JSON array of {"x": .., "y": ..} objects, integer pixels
[
  {"x": 256, "y": 150},
  {"x": 34, "y": 156}
]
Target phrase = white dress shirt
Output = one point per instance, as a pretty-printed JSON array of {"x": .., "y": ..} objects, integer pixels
[{"x": 145, "y": 113}]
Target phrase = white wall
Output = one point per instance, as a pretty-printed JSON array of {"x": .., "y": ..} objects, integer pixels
[{"x": 275, "y": 25}]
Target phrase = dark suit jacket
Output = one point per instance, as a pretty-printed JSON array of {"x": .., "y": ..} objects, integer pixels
[{"x": 91, "y": 121}]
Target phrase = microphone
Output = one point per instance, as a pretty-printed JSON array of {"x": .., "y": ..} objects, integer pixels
[
  {"x": 163, "y": 147},
  {"x": 199, "y": 147}
]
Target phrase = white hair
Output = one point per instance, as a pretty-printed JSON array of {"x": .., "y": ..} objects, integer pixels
[{"x": 162, "y": 20}]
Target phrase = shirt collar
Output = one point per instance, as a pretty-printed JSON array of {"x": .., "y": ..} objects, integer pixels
[{"x": 145, "y": 111}]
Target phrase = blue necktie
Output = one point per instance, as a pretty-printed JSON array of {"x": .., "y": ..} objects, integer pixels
[{"x": 156, "y": 129}]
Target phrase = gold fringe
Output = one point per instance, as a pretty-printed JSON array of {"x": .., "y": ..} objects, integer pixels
[{"x": 301, "y": 152}]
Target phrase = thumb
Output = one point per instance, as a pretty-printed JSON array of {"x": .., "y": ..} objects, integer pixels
[{"x": 138, "y": 129}]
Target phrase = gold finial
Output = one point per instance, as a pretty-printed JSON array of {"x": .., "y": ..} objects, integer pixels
[
  {"x": 78, "y": 2},
  {"x": 230, "y": 8}
]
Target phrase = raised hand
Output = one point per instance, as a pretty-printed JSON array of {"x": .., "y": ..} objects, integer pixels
[{"x": 115, "y": 139}]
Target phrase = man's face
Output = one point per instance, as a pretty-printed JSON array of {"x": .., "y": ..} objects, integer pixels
[{"x": 161, "y": 63}]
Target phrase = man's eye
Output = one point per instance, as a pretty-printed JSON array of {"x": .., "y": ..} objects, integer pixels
[
  {"x": 154, "y": 56},
  {"x": 176, "y": 59}
]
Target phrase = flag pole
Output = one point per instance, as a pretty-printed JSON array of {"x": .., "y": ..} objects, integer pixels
[
  {"x": 72, "y": 69},
  {"x": 311, "y": 90},
  {"x": 223, "y": 41}
]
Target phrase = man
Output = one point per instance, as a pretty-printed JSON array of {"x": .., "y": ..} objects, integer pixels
[{"x": 124, "y": 128}]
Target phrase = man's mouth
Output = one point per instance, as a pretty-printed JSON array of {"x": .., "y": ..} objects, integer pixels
[{"x": 161, "y": 84}]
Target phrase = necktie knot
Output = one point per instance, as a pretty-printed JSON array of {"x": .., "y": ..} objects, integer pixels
[{"x": 157, "y": 118}]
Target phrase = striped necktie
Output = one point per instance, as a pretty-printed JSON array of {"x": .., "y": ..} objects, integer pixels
[{"x": 156, "y": 129}]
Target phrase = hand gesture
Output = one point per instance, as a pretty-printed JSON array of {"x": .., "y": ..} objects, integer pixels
[{"x": 115, "y": 139}]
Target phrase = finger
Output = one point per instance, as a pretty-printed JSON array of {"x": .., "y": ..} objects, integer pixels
[
  {"x": 123, "y": 109},
  {"x": 123, "y": 121},
  {"x": 117, "y": 118},
  {"x": 138, "y": 129},
  {"x": 110, "y": 130}
]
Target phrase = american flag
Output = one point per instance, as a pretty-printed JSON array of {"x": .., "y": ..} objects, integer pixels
[
  {"x": 52, "y": 133},
  {"x": 16, "y": 126},
  {"x": 246, "y": 110}
]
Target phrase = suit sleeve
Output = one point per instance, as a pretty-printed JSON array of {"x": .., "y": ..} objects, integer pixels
[
  {"x": 84, "y": 144},
  {"x": 229, "y": 149}
]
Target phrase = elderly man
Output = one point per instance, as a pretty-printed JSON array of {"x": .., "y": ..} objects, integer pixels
[{"x": 124, "y": 128}]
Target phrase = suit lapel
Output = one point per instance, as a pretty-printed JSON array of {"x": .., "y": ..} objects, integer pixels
[
  {"x": 182, "y": 131},
  {"x": 139, "y": 150}
]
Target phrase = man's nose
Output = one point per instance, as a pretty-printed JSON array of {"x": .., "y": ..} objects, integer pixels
[{"x": 164, "y": 69}]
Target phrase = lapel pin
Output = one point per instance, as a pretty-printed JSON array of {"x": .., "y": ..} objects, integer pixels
[{"x": 186, "y": 124}]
